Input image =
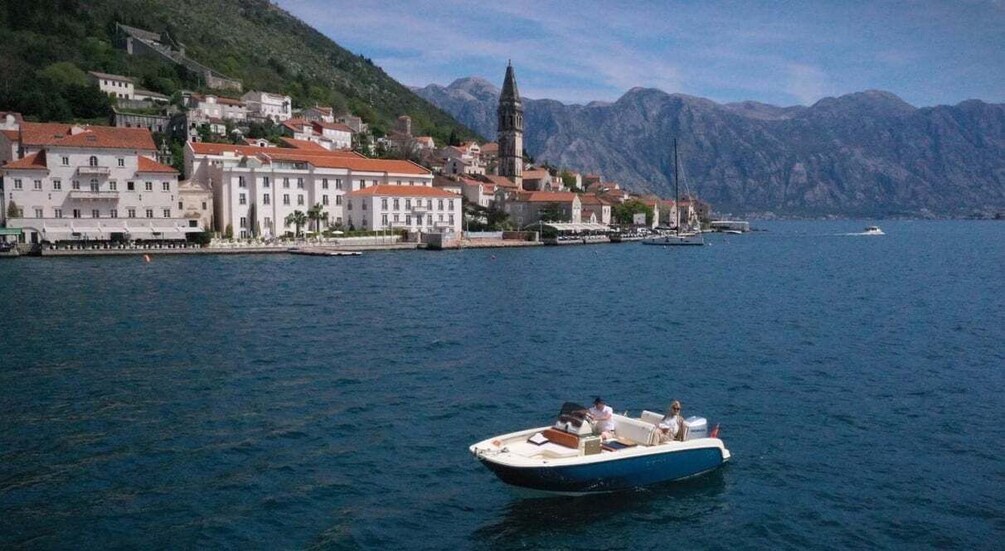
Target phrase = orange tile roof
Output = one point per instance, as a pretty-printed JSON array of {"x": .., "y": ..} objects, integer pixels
[
  {"x": 35, "y": 161},
  {"x": 219, "y": 99},
  {"x": 306, "y": 145},
  {"x": 385, "y": 190},
  {"x": 536, "y": 174},
  {"x": 501, "y": 181},
  {"x": 546, "y": 196},
  {"x": 332, "y": 126},
  {"x": 321, "y": 159},
  {"x": 149, "y": 165},
  {"x": 104, "y": 137},
  {"x": 10, "y": 134},
  {"x": 590, "y": 199}
]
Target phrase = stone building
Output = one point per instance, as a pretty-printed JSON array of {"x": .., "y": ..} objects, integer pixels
[{"x": 510, "y": 129}]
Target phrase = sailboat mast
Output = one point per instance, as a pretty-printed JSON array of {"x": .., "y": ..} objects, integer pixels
[{"x": 676, "y": 185}]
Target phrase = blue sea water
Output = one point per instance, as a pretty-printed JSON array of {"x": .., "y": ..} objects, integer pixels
[{"x": 290, "y": 402}]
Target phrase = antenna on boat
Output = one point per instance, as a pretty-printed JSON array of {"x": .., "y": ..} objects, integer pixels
[{"x": 676, "y": 186}]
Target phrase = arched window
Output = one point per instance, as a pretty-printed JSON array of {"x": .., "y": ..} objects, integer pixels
[{"x": 93, "y": 161}]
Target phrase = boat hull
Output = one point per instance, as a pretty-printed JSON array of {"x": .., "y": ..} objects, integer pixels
[
  {"x": 675, "y": 241},
  {"x": 612, "y": 475}
]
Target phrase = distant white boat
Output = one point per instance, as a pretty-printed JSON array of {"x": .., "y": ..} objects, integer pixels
[{"x": 873, "y": 230}]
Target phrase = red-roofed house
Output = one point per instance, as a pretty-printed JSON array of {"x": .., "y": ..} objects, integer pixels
[
  {"x": 415, "y": 208},
  {"x": 256, "y": 188},
  {"x": 90, "y": 182},
  {"x": 596, "y": 206},
  {"x": 526, "y": 207}
]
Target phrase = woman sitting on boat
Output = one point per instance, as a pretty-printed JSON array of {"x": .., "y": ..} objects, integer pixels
[{"x": 672, "y": 425}]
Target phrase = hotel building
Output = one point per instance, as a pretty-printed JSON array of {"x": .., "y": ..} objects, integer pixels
[
  {"x": 412, "y": 208},
  {"x": 72, "y": 182},
  {"x": 256, "y": 188}
]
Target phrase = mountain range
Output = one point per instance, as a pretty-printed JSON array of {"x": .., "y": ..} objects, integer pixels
[{"x": 862, "y": 154}]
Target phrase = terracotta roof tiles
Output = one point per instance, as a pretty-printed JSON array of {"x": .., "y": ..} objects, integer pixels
[
  {"x": 149, "y": 165},
  {"x": 34, "y": 161},
  {"x": 385, "y": 190}
]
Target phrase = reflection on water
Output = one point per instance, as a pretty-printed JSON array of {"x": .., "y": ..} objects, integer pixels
[{"x": 539, "y": 516}]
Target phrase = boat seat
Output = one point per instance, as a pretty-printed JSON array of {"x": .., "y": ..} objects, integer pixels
[
  {"x": 651, "y": 417},
  {"x": 562, "y": 438},
  {"x": 640, "y": 432}
]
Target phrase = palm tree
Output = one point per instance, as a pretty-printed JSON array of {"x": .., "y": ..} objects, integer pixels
[
  {"x": 298, "y": 219},
  {"x": 317, "y": 214}
]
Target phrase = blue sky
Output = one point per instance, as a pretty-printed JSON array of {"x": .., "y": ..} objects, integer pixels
[{"x": 782, "y": 52}]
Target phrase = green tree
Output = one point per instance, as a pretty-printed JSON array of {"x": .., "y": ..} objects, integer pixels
[
  {"x": 229, "y": 231},
  {"x": 63, "y": 74},
  {"x": 317, "y": 214},
  {"x": 553, "y": 212},
  {"x": 298, "y": 219},
  {"x": 625, "y": 212},
  {"x": 569, "y": 180},
  {"x": 13, "y": 211}
]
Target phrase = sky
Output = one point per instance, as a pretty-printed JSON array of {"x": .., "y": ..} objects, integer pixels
[{"x": 777, "y": 52}]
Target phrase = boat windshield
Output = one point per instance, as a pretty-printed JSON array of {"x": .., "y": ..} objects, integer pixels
[{"x": 572, "y": 413}]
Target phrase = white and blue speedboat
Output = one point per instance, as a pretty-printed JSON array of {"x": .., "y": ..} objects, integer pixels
[{"x": 566, "y": 458}]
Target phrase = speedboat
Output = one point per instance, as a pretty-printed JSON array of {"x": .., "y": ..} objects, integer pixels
[
  {"x": 873, "y": 230},
  {"x": 566, "y": 458},
  {"x": 675, "y": 239}
]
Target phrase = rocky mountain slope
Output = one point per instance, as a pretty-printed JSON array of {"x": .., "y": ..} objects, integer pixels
[{"x": 863, "y": 154}]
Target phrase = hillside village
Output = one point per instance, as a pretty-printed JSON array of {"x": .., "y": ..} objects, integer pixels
[{"x": 237, "y": 164}]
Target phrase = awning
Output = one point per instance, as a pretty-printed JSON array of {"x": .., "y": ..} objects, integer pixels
[
  {"x": 572, "y": 226},
  {"x": 114, "y": 229},
  {"x": 191, "y": 230},
  {"x": 11, "y": 231}
]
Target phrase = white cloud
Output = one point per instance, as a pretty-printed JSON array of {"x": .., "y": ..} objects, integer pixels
[{"x": 806, "y": 83}]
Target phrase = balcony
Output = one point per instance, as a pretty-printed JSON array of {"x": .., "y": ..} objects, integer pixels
[
  {"x": 94, "y": 195},
  {"x": 93, "y": 170},
  {"x": 421, "y": 208}
]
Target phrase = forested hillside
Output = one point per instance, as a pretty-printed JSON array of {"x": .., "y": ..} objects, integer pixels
[{"x": 47, "y": 46}]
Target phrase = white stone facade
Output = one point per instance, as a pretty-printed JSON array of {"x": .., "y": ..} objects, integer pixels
[
  {"x": 265, "y": 105},
  {"x": 255, "y": 189},
  {"x": 386, "y": 207},
  {"x": 117, "y": 86},
  {"x": 78, "y": 188}
]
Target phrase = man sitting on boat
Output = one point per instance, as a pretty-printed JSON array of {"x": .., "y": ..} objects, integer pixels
[
  {"x": 672, "y": 425},
  {"x": 602, "y": 416}
]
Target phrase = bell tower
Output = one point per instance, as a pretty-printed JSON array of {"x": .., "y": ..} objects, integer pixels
[{"x": 511, "y": 130}]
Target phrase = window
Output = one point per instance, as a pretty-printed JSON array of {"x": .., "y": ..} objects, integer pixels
[
  {"x": 383, "y": 219},
  {"x": 375, "y": 182},
  {"x": 131, "y": 213},
  {"x": 165, "y": 186},
  {"x": 204, "y": 205},
  {"x": 66, "y": 161},
  {"x": 300, "y": 183},
  {"x": 450, "y": 204},
  {"x": 408, "y": 219},
  {"x": 38, "y": 185},
  {"x": 338, "y": 199},
  {"x": 440, "y": 218},
  {"x": 429, "y": 219},
  {"x": 338, "y": 183},
  {"x": 76, "y": 213},
  {"x": 149, "y": 186},
  {"x": 130, "y": 186},
  {"x": 451, "y": 219},
  {"x": 396, "y": 219},
  {"x": 240, "y": 182},
  {"x": 181, "y": 206},
  {"x": 93, "y": 161},
  {"x": 429, "y": 204},
  {"x": 95, "y": 213},
  {"x": 242, "y": 199},
  {"x": 349, "y": 206},
  {"x": 113, "y": 186},
  {"x": 17, "y": 183},
  {"x": 300, "y": 199},
  {"x": 265, "y": 181},
  {"x": 362, "y": 184},
  {"x": 58, "y": 213},
  {"x": 150, "y": 213},
  {"x": 324, "y": 183},
  {"x": 114, "y": 213},
  {"x": 286, "y": 183},
  {"x": 38, "y": 213},
  {"x": 122, "y": 162},
  {"x": 397, "y": 205},
  {"x": 324, "y": 200},
  {"x": 167, "y": 213},
  {"x": 399, "y": 182},
  {"x": 439, "y": 204},
  {"x": 244, "y": 221},
  {"x": 383, "y": 203},
  {"x": 57, "y": 185},
  {"x": 94, "y": 185},
  {"x": 286, "y": 199},
  {"x": 363, "y": 204},
  {"x": 408, "y": 203},
  {"x": 76, "y": 184},
  {"x": 266, "y": 200},
  {"x": 268, "y": 222}
]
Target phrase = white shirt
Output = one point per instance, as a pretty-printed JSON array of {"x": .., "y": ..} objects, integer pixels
[
  {"x": 603, "y": 417},
  {"x": 673, "y": 423}
]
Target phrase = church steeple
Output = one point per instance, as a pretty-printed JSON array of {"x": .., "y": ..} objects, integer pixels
[{"x": 510, "y": 129}]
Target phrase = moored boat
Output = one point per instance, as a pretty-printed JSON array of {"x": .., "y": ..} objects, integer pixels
[{"x": 566, "y": 458}]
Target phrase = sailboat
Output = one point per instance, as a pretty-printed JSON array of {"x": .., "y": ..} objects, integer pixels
[{"x": 692, "y": 234}]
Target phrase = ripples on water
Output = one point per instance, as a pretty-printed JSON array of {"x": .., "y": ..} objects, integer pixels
[{"x": 314, "y": 402}]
